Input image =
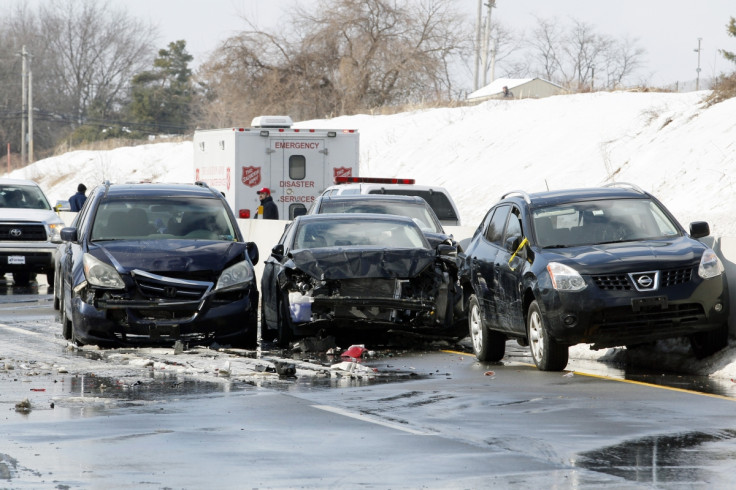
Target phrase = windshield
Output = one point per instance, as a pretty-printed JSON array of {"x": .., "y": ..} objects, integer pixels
[
  {"x": 604, "y": 221},
  {"x": 159, "y": 218},
  {"x": 420, "y": 214},
  {"x": 358, "y": 233},
  {"x": 22, "y": 196}
]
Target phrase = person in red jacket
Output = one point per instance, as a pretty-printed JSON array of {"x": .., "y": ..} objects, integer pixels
[{"x": 270, "y": 211}]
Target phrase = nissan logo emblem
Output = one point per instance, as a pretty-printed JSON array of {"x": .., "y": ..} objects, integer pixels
[
  {"x": 644, "y": 281},
  {"x": 16, "y": 232}
]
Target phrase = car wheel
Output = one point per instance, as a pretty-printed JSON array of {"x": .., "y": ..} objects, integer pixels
[
  {"x": 488, "y": 345},
  {"x": 22, "y": 278},
  {"x": 705, "y": 344},
  {"x": 57, "y": 299},
  {"x": 285, "y": 326},
  {"x": 548, "y": 354},
  {"x": 66, "y": 324},
  {"x": 249, "y": 339}
]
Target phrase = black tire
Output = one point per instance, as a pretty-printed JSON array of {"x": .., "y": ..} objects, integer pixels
[
  {"x": 488, "y": 345},
  {"x": 547, "y": 353},
  {"x": 22, "y": 278},
  {"x": 66, "y": 324},
  {"x": 249, "y": 338},
  {"x": 285, "y": 326},
  {"x": 57, "y": 298},
  {"x": 705, "y": 344}
]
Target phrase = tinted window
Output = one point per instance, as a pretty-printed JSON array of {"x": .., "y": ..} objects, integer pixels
[
  {"x": 494, "y": 232},
  {"x": 604, "y": 221},
  {"x": 436, "y": 200},
  {"x": 160, "y": 218},
  {"x": 421, "y": 215}
]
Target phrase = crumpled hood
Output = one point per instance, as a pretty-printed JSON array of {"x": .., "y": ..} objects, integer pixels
[
  {"x": 631, "y": 256},
  {"x": 169, "y": 255},
  {"x": 340, "y": 263}
]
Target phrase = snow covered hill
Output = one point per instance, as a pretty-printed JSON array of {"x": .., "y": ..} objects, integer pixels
[{"x": 668, "y": 144}]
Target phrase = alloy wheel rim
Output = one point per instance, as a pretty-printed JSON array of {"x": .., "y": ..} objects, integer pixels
[
  {"x": 476, "y": 332},
  {"x": 536, "y": 336}
]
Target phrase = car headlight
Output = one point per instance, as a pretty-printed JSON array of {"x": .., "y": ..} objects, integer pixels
[
  {"x": 565, "y": 278},
  {"x": 101, "y": 274},
  {"x": 710, "y": 265},
  {"x": 55, "y": 229},
  {"x": 236, "y": 275}
]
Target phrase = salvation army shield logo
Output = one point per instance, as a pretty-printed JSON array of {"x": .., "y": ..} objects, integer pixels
[
  {"x": 251, "y": 176},
  {"x": 343, "y": 172}
]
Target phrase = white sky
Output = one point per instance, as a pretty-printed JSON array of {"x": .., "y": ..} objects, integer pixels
[
  {"x": 663, "y": 142},
  {"x": 667, "y": 29}
]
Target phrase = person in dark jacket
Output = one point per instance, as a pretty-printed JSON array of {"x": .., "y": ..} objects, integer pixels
[
  {"x": 270, "y": 211},
  {"x": 77, "y": 200}
]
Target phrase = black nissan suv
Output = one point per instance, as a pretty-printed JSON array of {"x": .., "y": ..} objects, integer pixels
[{"x": 607, "y": 266}]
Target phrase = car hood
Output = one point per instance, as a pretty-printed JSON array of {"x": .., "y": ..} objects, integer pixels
[
  {"x": 331, "y": 263},
  {"x": 29, "y": 215},
  {"x": 169, "y": 255},
  {"x": 632, "y": 256}
]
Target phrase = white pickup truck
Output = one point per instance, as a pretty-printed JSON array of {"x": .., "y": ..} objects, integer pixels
[{"x": 29, "y": 231}]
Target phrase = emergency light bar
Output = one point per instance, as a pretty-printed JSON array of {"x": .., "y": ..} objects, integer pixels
[{"x": 371, "y": 180}]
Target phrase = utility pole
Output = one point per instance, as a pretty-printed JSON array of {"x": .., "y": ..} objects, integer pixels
[
  {"x": 30, "y": 114},
  {"x": 477, "y": 45},
  {"x": 486, "y": 41},
  {"x": 697, "y": 79},
  {"x": 23, "y": 107}
]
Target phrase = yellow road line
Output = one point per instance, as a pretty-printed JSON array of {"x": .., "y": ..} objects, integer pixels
[{"x": 630, "y": 381}]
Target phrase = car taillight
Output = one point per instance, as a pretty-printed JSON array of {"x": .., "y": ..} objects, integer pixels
[{"x": 244, "y": 213}]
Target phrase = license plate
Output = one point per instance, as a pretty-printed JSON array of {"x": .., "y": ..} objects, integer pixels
[
  {"x": 16, "y": 260},
  {"x": 652, "y": 302}
]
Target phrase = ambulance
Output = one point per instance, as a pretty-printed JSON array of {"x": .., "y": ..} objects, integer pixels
[{"x": 295, "y": 164}]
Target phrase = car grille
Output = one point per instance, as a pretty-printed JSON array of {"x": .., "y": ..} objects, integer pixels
[
  {"x": 622, "y": 282},
  {"x": 614, "y": 324},
  {"x": 154, "y": 286},
  {"x": 23, "y": 232}
]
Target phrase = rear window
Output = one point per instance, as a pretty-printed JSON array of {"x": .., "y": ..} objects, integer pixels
[{"x": 437, "y": 201}]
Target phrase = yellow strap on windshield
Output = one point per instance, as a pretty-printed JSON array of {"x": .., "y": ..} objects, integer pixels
[{"x": 518, "y": 249}]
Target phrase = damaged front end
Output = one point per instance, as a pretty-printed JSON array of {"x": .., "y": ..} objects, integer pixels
[
  {"x": 397, "y": 289},
  {"x": 141, "y": 306}
]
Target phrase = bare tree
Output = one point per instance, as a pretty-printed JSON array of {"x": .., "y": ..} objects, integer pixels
[
  {"x": 580, "y": 58},
  {"x": 96, "y": 49},
  {"x": 546, "y": 48},
  {"x": 342, "y": 56}
]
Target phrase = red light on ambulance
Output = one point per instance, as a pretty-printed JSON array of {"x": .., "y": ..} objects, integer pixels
[
  {"x": 371, "y": 180},
  {"x": 244, "y": 214}
]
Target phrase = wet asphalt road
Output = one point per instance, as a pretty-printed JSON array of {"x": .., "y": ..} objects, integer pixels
[{"x": 429, "y": 418}]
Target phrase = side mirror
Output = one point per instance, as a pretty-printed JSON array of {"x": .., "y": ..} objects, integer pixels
[
  {"x": 278, "y": 251},
  {"x": 699, "y": 229},
  {"x": 68, "y": 234},
  {"x": 446, "y": 250},
  {"x": 252, "y": 249}
]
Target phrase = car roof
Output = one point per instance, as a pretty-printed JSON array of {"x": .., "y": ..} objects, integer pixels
[
  {"x": 157, "y": 189},
  {"x": 355, "y": 217},
  {"x": 376, "y": 197},
  {"x": 7, "y": 181},
  {"x": 551, "y": 198}
]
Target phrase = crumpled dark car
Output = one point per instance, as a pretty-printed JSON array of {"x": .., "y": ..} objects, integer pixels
[
  {"x": 349, "y": 272},
  {"x": 156, "y": 263}
]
